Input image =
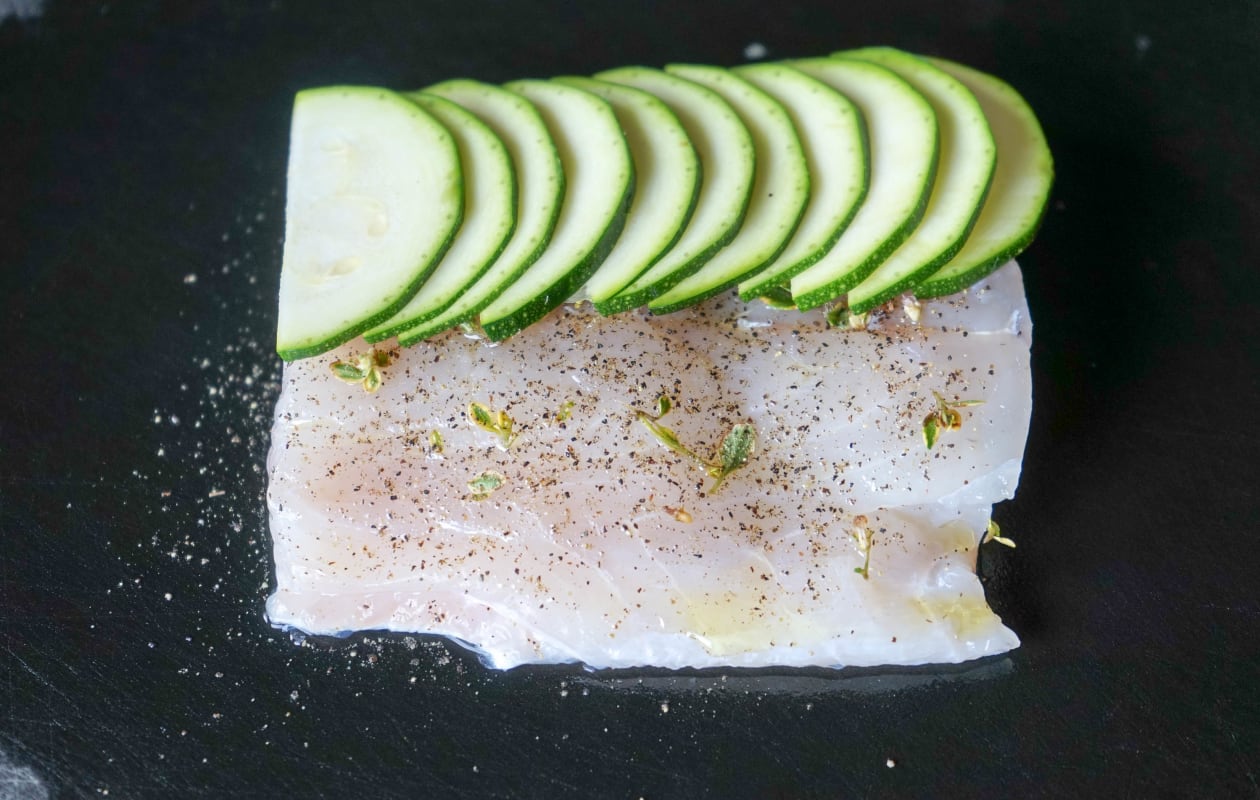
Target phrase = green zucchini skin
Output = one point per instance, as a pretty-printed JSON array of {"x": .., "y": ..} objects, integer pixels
[
  {"x": 599, "y": 185},
  {"x": 1017, "y": 199},
  {"x": 727, "y": 164},
  {"x": 489, "y": 215},
  {"x": 540, "y": 188},
  {"x": 667, "y": 184},
  {"x": 833, "y": 133},
  {"x": 964, "y": 174},
  {"x": 904, "y": 145},
  {"x": 777, "y": 199}
]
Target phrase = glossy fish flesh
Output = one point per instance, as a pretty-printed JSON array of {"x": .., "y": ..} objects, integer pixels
[{"x": 587, "y": 540}]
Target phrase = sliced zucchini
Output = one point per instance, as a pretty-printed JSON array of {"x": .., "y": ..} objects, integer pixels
[
  {"x": 599, "y": 184},
  {"x": 779, "y": 192},
  {"x": 374, "y": 196},
  {"x": 666, "y": 184},
  {"x": 903, "y": 139},
  {"x": 963, "y": 175},
  {"x": 833, "y": 136},
  {"x": 540, "y": 188},
  {"x": 727, "y": 162},
  {"x": 867, "y": 174},
  {"x": 489, "y": 216},
  {"x": 1017, "y": 199}
]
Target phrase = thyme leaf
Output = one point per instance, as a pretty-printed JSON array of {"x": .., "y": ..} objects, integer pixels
[
  {"x": 865, "y": 539},
  {"x": 945, "y": 417},
  {"x": 565, "y": 412},
  {"x": 498, "y": 423},
  {"x": 839, "y": 316},
  {"x": 485, "y": 484},
  {"x": 929, "y": 430},
  {"x": 995, "y": 533},
  {"x": 736, "y": 448},
  {"x": 435, "y": 441},
  {"x": 778, "y": 297},
  {"x": 365, "y": 370},
  {"x": 481, "y": 416},
  {"x": 666, "y": 436},
  {"x": 348, "y": 372}
]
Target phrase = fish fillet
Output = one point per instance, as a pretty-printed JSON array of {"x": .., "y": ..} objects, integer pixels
[{"x": 604, "y": 547}]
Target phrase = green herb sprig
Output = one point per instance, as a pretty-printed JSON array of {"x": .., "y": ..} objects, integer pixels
[
  {"x": 498, "y": 423},
  {"x": 839, "y": 316},
  {"x": 732, "y": 453},
  {"x": 366, "y": 370},
  {"x": 565, "y": 412},
  {"x": 994, "y": 533},
  {"x": 945, "y": 417},
  {"x": 485, "y": 484},
  {"x": 864, "y": 537},
  {"x": 779, "y": 297}
]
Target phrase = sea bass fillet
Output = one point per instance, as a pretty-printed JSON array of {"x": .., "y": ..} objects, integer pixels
[{"x": 843, "y": 540}]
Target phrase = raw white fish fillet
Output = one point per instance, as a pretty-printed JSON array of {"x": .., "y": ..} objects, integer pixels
[{"x": 583, "y": 554}]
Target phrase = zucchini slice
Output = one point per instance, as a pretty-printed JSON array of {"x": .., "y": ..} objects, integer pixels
[
  {"x": 903, "y": 139},
  {"x": 375, "y": 194},
  {"x": 1017, "y": 199},
  {"x": 540, "y": 187},
  {"x": 666, "y": 184},
  {"x": 489, "y": 216},
  {"x": 833, "y": 136},
  {"x": 963, "y": 175},
  {"x": 599, "y": 184},
  {"x": 779, "y": 192},
  {"x": 727, "y": 162}
]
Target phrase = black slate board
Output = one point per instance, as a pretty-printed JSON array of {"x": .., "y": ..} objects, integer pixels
[{"x": 142, "y": 157}]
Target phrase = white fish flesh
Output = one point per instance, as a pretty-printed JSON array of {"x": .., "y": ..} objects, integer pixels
[{"x": 604, "y": 547}]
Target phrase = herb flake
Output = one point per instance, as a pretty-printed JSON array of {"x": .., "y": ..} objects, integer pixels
[
  {"x": 778, "y": 297},
  {"x": 347, "y": 372},
  {"x": 565, "y": 412},
  {"x": 945, "y": 417},
  {"x": 994, "y": 533},
  {"x": 498, "y": 423},
  {"x": 865, "y": 539},
  {"x": 841, "y": 316},
  {"x": 486, "y": 484},
  {"x": 365, "y": 370},
  {"x": 733, "y": 453}
]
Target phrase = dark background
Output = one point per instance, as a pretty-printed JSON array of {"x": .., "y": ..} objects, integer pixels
[{"x": 142, "y": 159}]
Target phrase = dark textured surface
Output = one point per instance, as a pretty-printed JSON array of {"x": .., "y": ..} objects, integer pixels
[{"x": 142, "y": 165}]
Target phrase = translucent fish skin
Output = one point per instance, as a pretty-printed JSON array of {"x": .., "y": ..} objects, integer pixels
[{"x": 603, "y": 547}]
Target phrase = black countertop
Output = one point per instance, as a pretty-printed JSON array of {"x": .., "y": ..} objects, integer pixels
[{"x": 141, "y": 215}]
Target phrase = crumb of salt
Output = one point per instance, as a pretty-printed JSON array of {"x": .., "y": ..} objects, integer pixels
[{"x": 754, "y": 51}]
